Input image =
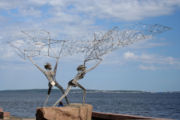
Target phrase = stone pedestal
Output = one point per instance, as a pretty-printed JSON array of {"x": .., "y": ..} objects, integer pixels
[
  {"x": 4, "y": 115},
  {"x": 73, "y": 111},
  {"x": 1, "y": 110}
]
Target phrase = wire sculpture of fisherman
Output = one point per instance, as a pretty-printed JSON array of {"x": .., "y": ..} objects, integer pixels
[
  {"x": 82, "y": 70},
  {"x": 51, "y": 76}
]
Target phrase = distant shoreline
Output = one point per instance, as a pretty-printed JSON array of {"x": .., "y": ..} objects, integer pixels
[{"x": 91, "y": 91}]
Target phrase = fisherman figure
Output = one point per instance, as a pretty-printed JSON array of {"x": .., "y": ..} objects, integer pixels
[
  {"x": 81, "y": 69},
  {"x": 51, "y": 76}
]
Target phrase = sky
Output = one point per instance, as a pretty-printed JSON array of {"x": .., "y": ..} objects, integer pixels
[{"x": 149, "y": 65}]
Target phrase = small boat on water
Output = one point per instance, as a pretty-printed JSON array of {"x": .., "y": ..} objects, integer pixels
[{"x": 113, "y": 116}]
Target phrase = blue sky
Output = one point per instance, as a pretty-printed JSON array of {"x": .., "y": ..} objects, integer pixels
[{"x": 150, "y": 65}]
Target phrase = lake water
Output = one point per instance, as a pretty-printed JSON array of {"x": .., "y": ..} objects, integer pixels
[{"x": 23, "y": 103}]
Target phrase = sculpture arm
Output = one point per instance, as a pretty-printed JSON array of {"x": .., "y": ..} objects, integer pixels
[
  {"x": 56, "y": 65},
  {"x": 36, "y": 65},
  {"x": 100, "y": 60}
]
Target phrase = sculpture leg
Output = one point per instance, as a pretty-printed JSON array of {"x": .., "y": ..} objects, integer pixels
[
  {"x": 49, "y": 91},
  {"x": 84, "y": 92},
  {"x": 64, "y": 95},
  {"x": 62, "y": 90},
  {"x": 45, "y": 102}
]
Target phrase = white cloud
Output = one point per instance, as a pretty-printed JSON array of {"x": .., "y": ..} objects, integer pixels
[
  {"x": 58, "y": 3},
  {"x": 129, "y": 55},
  {"x": 117, "y": 9},
  {"x": 113, "y": 59},
  {"x": 71, "y": 17},
  {"x": 31, "y": 12},
  {"x": 77, "y": 18},
  {"x": 6, "y": 52},
  {"x": 149, "y": 43},
  {"x": 4, "y": 4},
  {"x": 126, "y": 9},
  {"x": 37, "y": 2},
  {"x": 151, "y": 61},
  {"x": 148, "y": 67}
]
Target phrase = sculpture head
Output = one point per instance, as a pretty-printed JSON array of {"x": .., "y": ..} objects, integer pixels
[
  {"x": 47, "y": 66},
  {"x": 81, "y": 68}
]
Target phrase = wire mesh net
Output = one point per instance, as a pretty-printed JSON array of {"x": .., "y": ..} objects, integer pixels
[{"x": 40, "y": 43}]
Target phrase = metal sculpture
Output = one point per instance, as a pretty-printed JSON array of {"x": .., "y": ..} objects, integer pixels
[
  {"x": 93, "y": 50},
  {"x": 36, "y": 47},
  {"x": 82, "y": 70}
]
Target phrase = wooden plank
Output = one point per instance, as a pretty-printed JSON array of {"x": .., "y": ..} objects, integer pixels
[{"x": 112, "y": 116}]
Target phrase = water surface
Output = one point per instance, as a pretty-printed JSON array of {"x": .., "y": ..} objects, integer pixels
[{"x": 23, "y": 103}]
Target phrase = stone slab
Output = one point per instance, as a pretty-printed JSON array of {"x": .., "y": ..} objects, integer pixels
[
  {"x": 6, "y": 114},
  {"x": 1, "y": 110},
  {"x": 73, "y": 111}
]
